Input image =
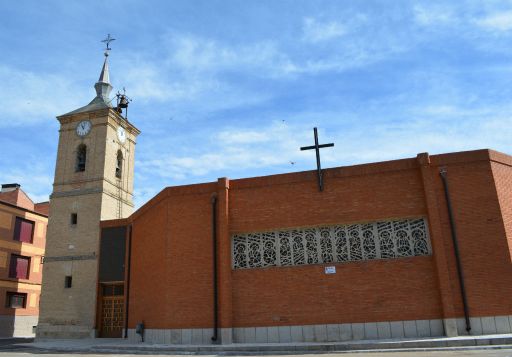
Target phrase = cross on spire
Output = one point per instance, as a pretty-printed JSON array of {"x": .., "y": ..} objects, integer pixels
[{"x": 317, "y": 148}]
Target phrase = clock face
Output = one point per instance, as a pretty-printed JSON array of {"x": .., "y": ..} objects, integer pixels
[
  {"x": 121, "y": 134},
  {"x": 83, "y": 128}
]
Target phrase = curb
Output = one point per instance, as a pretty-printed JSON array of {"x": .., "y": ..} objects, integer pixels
[{"x": 297, "y": 348}]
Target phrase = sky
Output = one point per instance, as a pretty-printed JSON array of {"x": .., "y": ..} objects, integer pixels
[{"x": 234, "y": 88}]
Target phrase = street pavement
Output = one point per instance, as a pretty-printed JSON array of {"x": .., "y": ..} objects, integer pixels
[
  {"x": 11, "y": 350},
  {"x": 9, "y": 343}
]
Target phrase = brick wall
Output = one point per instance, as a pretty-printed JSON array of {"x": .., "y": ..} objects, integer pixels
[
  {"x": 35, "y": 250},
  {"x": 17, "y": 197},
  {"x": 482, "y": 240},
  {"x": 172, "y": 246},
  {"x": 172, "y": 260},
  {"x": 502, "y": 172}
]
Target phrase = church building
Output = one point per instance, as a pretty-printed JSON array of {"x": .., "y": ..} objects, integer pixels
[{"x": 414, "y": 247}]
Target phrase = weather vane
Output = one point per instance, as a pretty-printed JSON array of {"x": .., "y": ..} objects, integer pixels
[{"x": 107, "y": 41}]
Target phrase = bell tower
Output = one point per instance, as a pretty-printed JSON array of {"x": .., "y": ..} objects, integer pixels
[{"x": 93, "y": 182}]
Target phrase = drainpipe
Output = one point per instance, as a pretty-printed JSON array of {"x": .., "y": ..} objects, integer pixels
[
  {"x": 460, "y": 272},
  {"x": 215, "y": 291},
  {"x": 127, "y": 299}
]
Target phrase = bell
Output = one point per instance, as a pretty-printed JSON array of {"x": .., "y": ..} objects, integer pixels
[{"x": 123, "y": 102}]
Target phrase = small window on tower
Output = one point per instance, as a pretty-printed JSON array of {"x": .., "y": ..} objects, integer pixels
[
  {"x": 81, "y": 157},
  {"x": 67, "y": 281},
  {"x": 74, "y": 218},
  {"x": 119, "y": 164}
]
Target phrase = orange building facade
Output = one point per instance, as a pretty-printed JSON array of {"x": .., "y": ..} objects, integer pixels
[
  {"x": 406, "y": 248},
  {"x": 22, "y": 241}
]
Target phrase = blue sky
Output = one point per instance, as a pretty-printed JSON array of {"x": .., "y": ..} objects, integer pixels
[{"x": 234, "y": 88}]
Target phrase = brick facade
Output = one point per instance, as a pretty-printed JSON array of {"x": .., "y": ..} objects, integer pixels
[
  {"x": 93, "y": 195},
  {"x": 19, "y": 321},
  {"x": 171, "y": 279}
]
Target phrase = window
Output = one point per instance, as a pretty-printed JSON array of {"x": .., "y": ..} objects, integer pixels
[
  {"x": 23, "y": 230},
  {"x": 113, "y": 289},
  {"x": 74, "y": 218},
  {"x": 68, "y": 281},
  {"x": 16, "y": 300},
  {"x": 332, "y": 244},
  {"x": 81, "y": 157},
  {"x": 19, "y": 267},
  {"x": 119, "y": 164}
]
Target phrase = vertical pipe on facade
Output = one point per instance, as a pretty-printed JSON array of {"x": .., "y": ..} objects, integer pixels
[
  {"x": 127, "y": 299},
  {"x": 443, "y": 174},
  {"x": 215, "y": 292}
]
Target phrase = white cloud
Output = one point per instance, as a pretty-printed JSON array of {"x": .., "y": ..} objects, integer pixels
[
  {"x": 242, "y": 152},
  {"x": 206, "y": 59},
  {"x": 148, "y": 81},
  {"x": 240, "y": 149},
  {"x": 434, "y": 15},
  {"x": 197, "y": 54},
  {"x": 243, "y": 137},
  {"x": 500, "y": 21},
  {"x": 200, "y": 69},
  {"x": 319, "y": 31},
  {"x": 32, "y": 97}
]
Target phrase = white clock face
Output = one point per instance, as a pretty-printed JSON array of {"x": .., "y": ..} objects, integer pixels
[
  {"x": 83, "y": 128},
  {"x": 121, "y": 134}
]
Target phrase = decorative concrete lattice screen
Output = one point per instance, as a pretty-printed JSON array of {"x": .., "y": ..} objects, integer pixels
[{"x": 331, "y": 244}]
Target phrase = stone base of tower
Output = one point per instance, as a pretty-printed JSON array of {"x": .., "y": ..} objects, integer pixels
[{"x": 47, "y": 331}]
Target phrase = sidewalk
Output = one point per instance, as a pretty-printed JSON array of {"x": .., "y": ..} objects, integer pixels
[{"x": 102, "y": 345}]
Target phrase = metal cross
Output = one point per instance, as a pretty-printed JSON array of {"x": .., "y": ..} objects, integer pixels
[
  {"x": 317, "y": 149},
  {"x": 107, "y": 41}
]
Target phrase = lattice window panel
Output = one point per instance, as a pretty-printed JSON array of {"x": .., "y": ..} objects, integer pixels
[{"x": 332, "y": 244}]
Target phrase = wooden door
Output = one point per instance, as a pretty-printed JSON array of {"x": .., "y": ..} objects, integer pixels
[{"x": 112, "y": 310}]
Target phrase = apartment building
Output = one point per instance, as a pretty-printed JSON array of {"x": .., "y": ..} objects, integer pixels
[{"x": 22, "y": 242}]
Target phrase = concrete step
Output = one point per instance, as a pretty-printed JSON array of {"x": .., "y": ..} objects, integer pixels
[{"x": 122, "y": 346}]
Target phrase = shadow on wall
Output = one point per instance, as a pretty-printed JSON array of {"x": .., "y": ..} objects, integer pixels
[
  {"x": 7, "y": 325},
  {"x": 17, "y": 326}
]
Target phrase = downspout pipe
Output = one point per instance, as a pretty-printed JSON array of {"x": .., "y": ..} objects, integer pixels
[
  {"x": 128, "y": 268},
  {"x": 215, "y": 289},
  {"x": 443, "y": 173}
]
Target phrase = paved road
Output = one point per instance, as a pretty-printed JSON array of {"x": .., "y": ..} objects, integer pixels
[
  {"x": 10, "y": 341},
  {"x": 16, "y": 352}
]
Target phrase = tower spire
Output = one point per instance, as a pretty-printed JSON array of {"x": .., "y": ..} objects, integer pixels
[
  {"x": 103, "y": 86},
  {"x": 104, "y": 75}
]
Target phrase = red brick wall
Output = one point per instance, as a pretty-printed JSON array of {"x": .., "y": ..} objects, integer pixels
[
  {"x": 171, "y": 280},
  {"x": 172, "y": 261},
  {"x": 9, "y": 246},
  {"x": 34, "y": 250},
  {"x": 367, "y": 291},
  {"x": 386, "y": 290},
  {"x": 482, "y": 240},
  {"x": 17, "y": 197},
  {"x": 502, "y": 173},
  {"x": 31, "y": 308},
  {"x": 42, "y": 207},
  {"x": 353, "y": 194}
]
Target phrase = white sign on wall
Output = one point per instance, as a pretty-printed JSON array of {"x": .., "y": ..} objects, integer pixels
[{"x": 330, "y": 270}]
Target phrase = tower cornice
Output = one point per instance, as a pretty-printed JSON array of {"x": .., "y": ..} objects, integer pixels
[{"x": 100, "y": 113}]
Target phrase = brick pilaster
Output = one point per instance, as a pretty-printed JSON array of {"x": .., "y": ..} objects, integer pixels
[
  {"x": 439, "y": 253},
  {"x": 224, "y": 263}
]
